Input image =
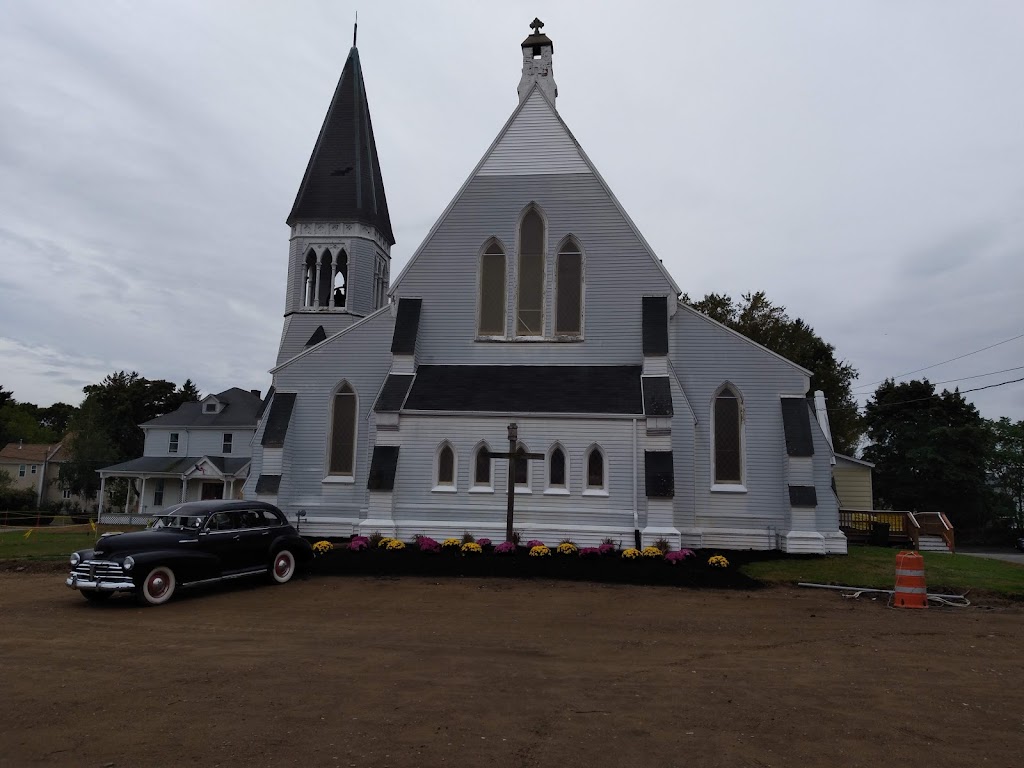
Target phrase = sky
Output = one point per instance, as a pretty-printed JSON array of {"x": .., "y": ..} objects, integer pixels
[{"x": 860, "y": 162}]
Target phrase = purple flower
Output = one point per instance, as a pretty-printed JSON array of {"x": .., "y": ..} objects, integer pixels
[
  {"x": 358, "y": 543},
  {"x": 427, "y": 544},
  {"x": 484, "y": 542},
  {"x": 505, "y": 548},
  {"x": 678, "y": 557},
  {"x": 590, "y": 552},
  {"x": 534, "y": 543},
  {"x": 606, "y": 549}
]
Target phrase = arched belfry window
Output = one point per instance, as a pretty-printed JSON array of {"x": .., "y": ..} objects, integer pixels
[
  {"x": 309, "y": 280},
  {"x": 491, "y": 318},
  {"x": 530, "y": 284},
  {"x": 343, "y": 432},
  {"x": 325, "y": 278},
  {"x": 569, "y": 290},
  {"x": 727, "y": 420},
  {"x": 339, "y": 294}
]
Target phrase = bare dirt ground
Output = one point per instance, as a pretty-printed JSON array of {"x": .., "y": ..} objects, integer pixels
[{"x": 412, "y": 672}]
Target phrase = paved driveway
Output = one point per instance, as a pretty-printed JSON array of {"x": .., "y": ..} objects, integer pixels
[{"x": 1009, "y": 555}]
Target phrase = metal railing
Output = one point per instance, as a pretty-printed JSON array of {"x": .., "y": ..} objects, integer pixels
[{"x": 863, "y": 524}]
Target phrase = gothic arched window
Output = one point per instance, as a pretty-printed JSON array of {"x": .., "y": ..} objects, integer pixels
[
  {"x": 491, "y": 314},
  {"x": 309, "y": 280},
  {"x": 446, "y": 467},
  {"x": 343, "y": 432},
  {"x": 727, "y": 421},
  {"x": 557, "y": 470},
  {"x": 483, "y": 467},
  {"x": 569, "y": 290},
  {"x": 530, "y": 285},
  {"x": 597, "y": 479}
]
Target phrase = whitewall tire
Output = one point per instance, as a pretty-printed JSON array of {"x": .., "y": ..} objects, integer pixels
[
  {"x": 158, "y": 586},
  {"x": 282, "y": 567}
]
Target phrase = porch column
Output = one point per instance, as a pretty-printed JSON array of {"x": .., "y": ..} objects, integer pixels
[
  {"x": 127, "y": 496},
  {"x": 184, "y": 488},
  {"x": 142, "y": 496},
  {"x": 316, "y": 290},
  {"x": 103, "y": 495},
  {"x": 224, "y": 489}
]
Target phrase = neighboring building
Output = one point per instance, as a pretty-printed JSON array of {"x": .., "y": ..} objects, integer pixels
[
  {"x": 853, "y": 483},
  {"x": 200, "y": 451},
  {"x": 534, "y": 299},
  {"x": 37, "y": 466}
]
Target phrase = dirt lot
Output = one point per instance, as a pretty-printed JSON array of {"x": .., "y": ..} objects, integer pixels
[{"x": 411, "y": 672}]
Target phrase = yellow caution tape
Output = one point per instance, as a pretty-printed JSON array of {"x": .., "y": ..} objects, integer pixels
[{"x": 28, "y": 532}]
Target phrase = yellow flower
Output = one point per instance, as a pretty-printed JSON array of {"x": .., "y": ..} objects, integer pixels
[
  {"x": 540, "y": 551},
  {"x": 451, "y": 543},
  {"x": 471, "y": 548},
  {"x": 717, "y": 561},
  {"x": 395, "y": 544},
  {"x": 322, "y": 547},
  {"x": 651, "y": 552},
  {"x": 631, "y": 553},
  {"x": 567, "y": 548},
  {"x": 383, "y": 543}
]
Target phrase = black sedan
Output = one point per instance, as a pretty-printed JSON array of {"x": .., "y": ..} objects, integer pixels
[{"x": 194, "y": 543}]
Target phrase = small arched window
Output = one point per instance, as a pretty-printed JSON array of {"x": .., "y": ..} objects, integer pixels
[
  {"x": 482, "y": 468},
  {"x": 343, "y": 432},
  {"x": 530, "y": 311},
  {"x": 522, "y": 469},
  {"x": 569, "y": 290},
  {"x": 325, "y": 283},
  {"x": 557, "y": 469},
  {"x": 728, "y": 438},
  {"x": 446, "y": 467},
  {"x": 491, "y": 319},
  {"x": 340, "y": 292},
  {"x": 596, "y": 476}
]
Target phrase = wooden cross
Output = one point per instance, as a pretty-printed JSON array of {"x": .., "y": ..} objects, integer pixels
[
  {"x": 537, "y": 24},
  {"x": 514, "y": 455}
]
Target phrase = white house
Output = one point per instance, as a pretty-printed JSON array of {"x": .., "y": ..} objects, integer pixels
[
  {"x": 532, "y": 300},
  {"x": 201, "y": 450}
]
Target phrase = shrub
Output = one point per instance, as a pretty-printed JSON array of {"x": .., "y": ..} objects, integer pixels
[
  {"x": 717, "y": 561},
  {"x": 471, "y": 548},
  {"x": 451, "y": 543},
  {"x": 374, "y": 540},
  {"x": 663, "y": 546},
  {"x": 322, "y": 547},
  {"x": 534, "y": 543},
  {"x": 631, "y": 553},
  {"x": 427, "y": 544},
  {"x": 359, "y": 543},
  {"x": 467, "y": 537},
  {"x": 678, "y": 557},
  {"x": 567, "y": 548},
  {"x": 505, "y": 548},
  {"x": 539, "y": 550},
  {"x": 394, "y": 544},
  {"x": 652, "y": 552}
]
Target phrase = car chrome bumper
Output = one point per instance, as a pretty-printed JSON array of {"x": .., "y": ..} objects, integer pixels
[
  {"x": 78, "y": 582},
  {"x": 101, "y": 576}
]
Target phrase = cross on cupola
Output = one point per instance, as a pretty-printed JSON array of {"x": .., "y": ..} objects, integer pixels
[{"x": 537, "y": 51}]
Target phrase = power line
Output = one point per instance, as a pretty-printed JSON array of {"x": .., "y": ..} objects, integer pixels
[
  {"x": 939, "y": 394},
  {"x": 936, "y": 365},
  {"x": 962, "y": 378}
]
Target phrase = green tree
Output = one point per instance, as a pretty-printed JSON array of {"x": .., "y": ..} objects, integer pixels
[
  {"x": 19, "y": 421},
  {"x": 929, "y": 450},
  {"x": 769, "y": 325},
  {"x": 57, "y": 418},
  {"x": 1006, "y": 467},
  {"x": 186, "y": 393}
]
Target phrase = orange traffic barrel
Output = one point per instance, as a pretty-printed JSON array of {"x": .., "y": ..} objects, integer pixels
[{"x": 910, "y": 589}]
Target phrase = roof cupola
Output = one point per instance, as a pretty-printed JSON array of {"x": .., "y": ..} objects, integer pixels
[{"x": 537, "y": 50}]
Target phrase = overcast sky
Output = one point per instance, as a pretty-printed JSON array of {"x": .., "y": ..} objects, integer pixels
[{"x": 861, "y": 162}]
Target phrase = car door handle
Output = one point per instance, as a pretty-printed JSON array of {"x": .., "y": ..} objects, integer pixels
[
  {"x": 266, "y": 533},
  {"x": 237, "y": 537}
]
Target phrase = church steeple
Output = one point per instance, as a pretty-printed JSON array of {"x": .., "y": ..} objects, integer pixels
[
  {"x": 537, "y": 51},
  {"x": 343, "y": 181}
]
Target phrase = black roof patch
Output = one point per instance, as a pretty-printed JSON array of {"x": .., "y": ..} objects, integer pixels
[
  {"x": 268, "y": 484},
  {"x": 803, "y": 496},
  {"x": 659, "y": 478},
  {"x": 655, "y": 325},
  {"x": 407, "y": 325},
  {"x": 343, "y": 178},
  {"x": 657, "y": 396},
  {"x": 266, "y": 402},
  {"x": 318, "y": 335},
  {"x": 277, "y": 421},
  {"x": 797, "y": 423},
  {"x": 396, "y": 387},
  {"x": 527, "y": 388},
  {"x": 383, "y": 467}
]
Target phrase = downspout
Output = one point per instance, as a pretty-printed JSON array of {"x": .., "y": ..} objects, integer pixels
[{"x": 636, "y": 514}]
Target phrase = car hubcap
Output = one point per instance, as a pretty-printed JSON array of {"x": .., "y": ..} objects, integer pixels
[
  {"x": 157, "y": 585},
  {"x": 282, "y": 566}
]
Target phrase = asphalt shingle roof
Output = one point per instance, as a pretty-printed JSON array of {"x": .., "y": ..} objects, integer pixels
[{"x": 241, "y": 409}]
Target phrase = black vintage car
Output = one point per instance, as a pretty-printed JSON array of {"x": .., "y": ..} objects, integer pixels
[{"x": 194, "y": 543}]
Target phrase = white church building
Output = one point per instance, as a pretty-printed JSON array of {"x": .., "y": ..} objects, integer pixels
[{"x": 532, "y": 300}]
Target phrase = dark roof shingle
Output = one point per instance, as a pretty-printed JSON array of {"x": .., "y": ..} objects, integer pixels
[
  {"x": 277, "y": 420},
  {"x": 797, "y": 424}
]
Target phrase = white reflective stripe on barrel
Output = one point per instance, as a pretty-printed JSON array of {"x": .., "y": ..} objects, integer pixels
[
  {"x": 911, "y": 590},
  {"x": 903, "y": 572}
]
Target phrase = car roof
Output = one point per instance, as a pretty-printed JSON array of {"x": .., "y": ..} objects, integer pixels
[{"x": 207, "y": 508}]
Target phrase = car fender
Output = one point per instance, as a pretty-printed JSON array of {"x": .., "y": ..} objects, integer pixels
[
  {"x": 299, "y": 547},
  {"x": 187, "y": 566}
]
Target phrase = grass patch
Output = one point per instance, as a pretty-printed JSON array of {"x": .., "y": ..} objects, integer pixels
[
  {"x": 46, "y": 544},
  {"x": 875, "y": 567}
]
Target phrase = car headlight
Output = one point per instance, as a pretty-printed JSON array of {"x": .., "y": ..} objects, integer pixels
[
  {"x": 75, "y": 558},
  {"x": 129, "y": 563}
]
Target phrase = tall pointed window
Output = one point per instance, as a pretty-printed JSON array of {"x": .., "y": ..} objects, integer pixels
[
  {"x": 595, "y": 469},
  {"x": 343, "y": 432},
  {"x": 339, "y": 265},
  {"x": 522, "y": 475},
  {"x": 380, "y": 282},
  {"x": 569, "y": 290},
  {"x": 445, "y": 473},
  {"x": 557, "y": 471},
  {"x": 309, "y": 280},
  {"x": 530, "y": 309},
  {"x": 483, "y": 466},
  {"x": 728, "y": 438},
  {"x": 492, "y": 291},
  {"x": 325, "y": 279}
]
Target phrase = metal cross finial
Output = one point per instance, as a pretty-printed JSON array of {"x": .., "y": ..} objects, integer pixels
[
  {"x": 355, "y": 30},
  {"x": 536, "y": 24}
]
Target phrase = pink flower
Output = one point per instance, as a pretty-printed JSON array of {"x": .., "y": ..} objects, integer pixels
[
  {"x": 606, "y": 549},
  {"x": 534, "y": 543},
  {"x": 484, "y": 542},
  {"x": 590, "y": 552},
  {"x": 678, "y": 557},
  {"x": 427, "y": 544},
  {"x": 505, "y": 548},
  {"x": 358, "y": 543}
]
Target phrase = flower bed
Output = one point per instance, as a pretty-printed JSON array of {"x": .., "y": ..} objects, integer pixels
[{"x": 421, "y": 557}]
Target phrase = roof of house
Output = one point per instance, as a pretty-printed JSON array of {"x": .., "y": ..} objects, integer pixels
[
  {"x": 177, "y": 465},
  {"x": 27, "y": 452},
  {"x": 343, "y": 178},
  {"x": 611, "y": 389},
  {"x": 241, "y": 409}
]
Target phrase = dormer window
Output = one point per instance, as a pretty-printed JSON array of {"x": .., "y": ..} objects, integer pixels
[{"x": 209, "y": 408}]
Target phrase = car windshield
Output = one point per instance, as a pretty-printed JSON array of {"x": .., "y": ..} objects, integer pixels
[{"x": 177, "y": 521}]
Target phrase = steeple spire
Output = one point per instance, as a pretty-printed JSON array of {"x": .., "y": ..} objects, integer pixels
[
  {"x": 537, "y": 51},
  {"x": 343, "y": 180}
]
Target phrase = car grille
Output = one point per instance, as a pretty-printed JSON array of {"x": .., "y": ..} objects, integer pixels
[{"x": 100, "y": 569}]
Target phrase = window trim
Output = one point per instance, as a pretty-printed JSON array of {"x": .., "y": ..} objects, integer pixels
[
  {"x": 227, "y": 442},
  {"x": 474, "y": 486},
  {"x": 527, "y": 489},
  {"x": 339, "y": 477},
  {"x": 544, "y": 274},
  {"x": 570, "y": 238},
  {"x": 592, "y": 490},
  {"x": 22, "y": 470},
  {"x": 557, "y": 490},
  {"x": 440, "y": 487},
  {"x": 34, "y": 469},
  {"x": 739, "y": 486},
  {"x": 173, "y": 441},
  {"x": 480, "y": 293}
]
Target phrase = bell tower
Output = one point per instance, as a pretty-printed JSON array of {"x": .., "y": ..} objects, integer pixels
[
  {"x": 537, "y": 68},
  {"x": 339, "y": 259}
]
